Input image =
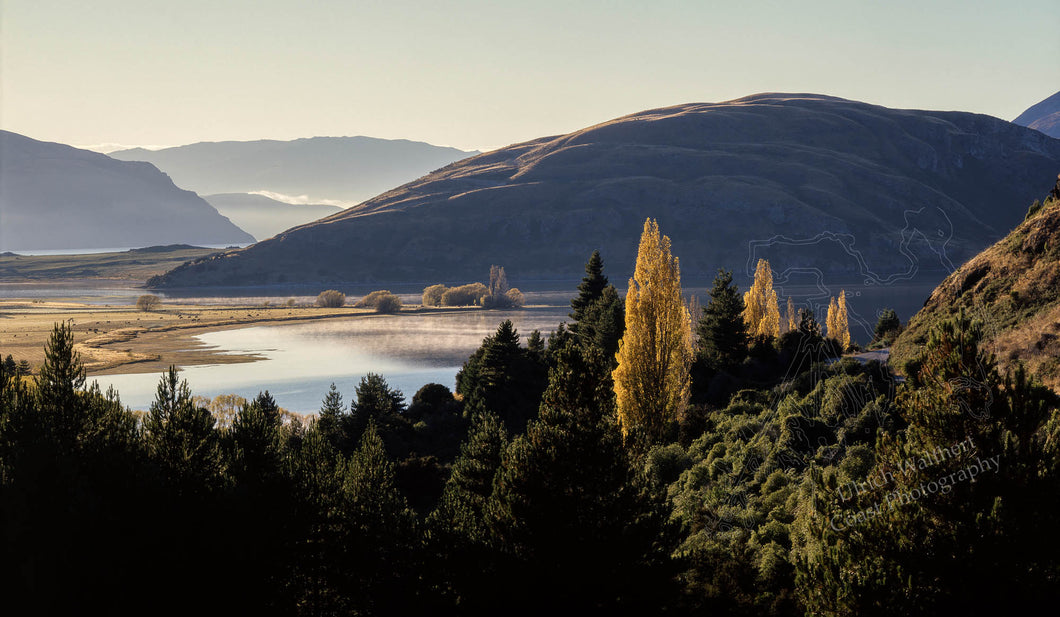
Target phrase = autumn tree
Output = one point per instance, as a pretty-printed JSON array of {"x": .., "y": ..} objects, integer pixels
[
  {"x": 761, "y": 312},
  {"x": 836, "y": 320},
  {"x": 652, "y": 380},
  {"x": 792, "y": 317}
]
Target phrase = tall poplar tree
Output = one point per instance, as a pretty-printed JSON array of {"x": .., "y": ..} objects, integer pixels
[
  {"x": 652, "y": 380},
  {"x": 762, "y": 313}
]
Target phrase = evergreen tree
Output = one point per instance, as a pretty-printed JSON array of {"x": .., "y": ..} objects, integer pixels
[
  {"x": 9, "y": 366},
  {"x": 602, "y": 324},
  {"x": 471, "y": 482},
  {"x": 761, "y": 312},
  {"x": 332, "y": 418},
  {"x": 887, "y": 327},
  {"x": 181, "y": 439},
  {"x": 722, "y": 330},
  {"x": 652, "y": 382},
  {"x": 380, "y": 538},
  {"x": 379, "y": 403},
  {"x": 591, "y": 288},
  {"x": 568, "y": 482},
  {"x": 503, "y": 378}
]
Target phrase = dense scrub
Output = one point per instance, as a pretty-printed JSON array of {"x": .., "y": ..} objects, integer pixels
[{"x": 791, "y": 484}]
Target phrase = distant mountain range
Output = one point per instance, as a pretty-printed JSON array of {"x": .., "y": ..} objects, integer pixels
[
  {"x": 314, "y": 170},
  {"x": 816, "y": 184},
  {"x": 264, "y": 217},
  {"x": 1044, "y": 116},
  {"x": 54, "y": 196}
]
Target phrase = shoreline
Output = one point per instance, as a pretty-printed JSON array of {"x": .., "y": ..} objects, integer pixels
[{"x": 121, "y": 339}]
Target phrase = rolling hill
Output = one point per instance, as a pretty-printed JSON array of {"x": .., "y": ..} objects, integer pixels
[
  {"x": 314, "y": 170},
  {"x": 264, "y": 217},
  {"x": 818, "y": 185},
  {"x": 54, "y": 196},
  {"x": 1013, "y": 287},
  {"x": 1043, "y": 116}
]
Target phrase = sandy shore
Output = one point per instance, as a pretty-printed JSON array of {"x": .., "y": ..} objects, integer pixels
[{"x": 122, "y": 339}]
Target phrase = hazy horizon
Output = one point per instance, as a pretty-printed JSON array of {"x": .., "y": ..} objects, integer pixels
[{"x": 481, "y": 75}]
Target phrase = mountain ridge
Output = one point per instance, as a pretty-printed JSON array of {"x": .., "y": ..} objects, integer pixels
[
  {"x": 898, "y": 191},
  {"x": 320, "y": 169},
  {"x": 55, "y": 196}
]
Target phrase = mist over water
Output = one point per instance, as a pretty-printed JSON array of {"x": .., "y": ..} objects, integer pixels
[{"x": 300, "y": 361}]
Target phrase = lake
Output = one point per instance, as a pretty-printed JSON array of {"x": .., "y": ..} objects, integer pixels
[{"x": 301, "y": 361}]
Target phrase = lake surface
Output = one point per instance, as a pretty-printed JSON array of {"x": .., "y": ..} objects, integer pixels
[{"x": 301, "y": 361}]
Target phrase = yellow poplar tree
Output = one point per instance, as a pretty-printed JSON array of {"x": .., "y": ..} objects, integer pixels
[
  {"x": 841, "y": 325},
  {"x": 836, "y": 322},
  {"x": 761, "y": 311},
  {"x": 793, "y": 324},
  {"x": 652, "y": 380}
]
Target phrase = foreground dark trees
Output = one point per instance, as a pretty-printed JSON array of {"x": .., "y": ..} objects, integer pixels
[{"x": 794, "y": 487}]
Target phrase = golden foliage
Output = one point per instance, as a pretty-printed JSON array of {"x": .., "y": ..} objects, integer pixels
[
  {"x": 761, "y": 312},
  {"x": 793, "y": 320},
  {"x": 652, "y": 380},
  {"x": 836, "y": 322}
]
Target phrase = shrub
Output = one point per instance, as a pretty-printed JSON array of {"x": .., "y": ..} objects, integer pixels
[
  {"x": 464, "y": 295},
  {"x": 372, "y": 299},
  {"x": 331, "y": 299},
  {"x": 148, "y": 302},
  {"x": 432, "y": 296},
  {"x": 388, "y": 303}
]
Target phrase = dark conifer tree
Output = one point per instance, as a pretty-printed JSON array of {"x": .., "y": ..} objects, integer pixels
[
  {"x": 381, "y": 541},
  {"x": 568, "y": 482},
  {"x": 722, "y": 332},
  {"x": 591, "y": 288},
  {"x": 503, "y": 378}
]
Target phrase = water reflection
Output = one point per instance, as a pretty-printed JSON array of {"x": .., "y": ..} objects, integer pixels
[{"x": 300, "y": 361}]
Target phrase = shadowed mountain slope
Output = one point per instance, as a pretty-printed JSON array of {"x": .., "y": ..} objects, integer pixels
[
  {"x": 812, "y": 183},
  {"x": 54, "y": 196},
  {"x": 1043, "y": 116},
  {"x": 264, "y": 217},
  {"x": 347, "y": 169},
  {"x": 1013, "y": 287}
]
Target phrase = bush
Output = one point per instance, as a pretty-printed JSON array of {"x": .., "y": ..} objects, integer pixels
[
  {"x": 465, "y": 295},
  {"x": 331, "y": 299},
  {"x": 432, "y": 296},
  {"x": 372, "y": 299},
  {"x": 148, "y": 302},
  {"x": 388, "y": 303}
]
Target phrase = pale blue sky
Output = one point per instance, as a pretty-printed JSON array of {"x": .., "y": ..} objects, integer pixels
[{"x": 481, "y": 74}]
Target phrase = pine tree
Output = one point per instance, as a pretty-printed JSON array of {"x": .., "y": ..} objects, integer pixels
[
  {"x": 380, "y": 532},
  {"x": 331, "y": 419},
  {"x": 652, "y": 379},
  {"x": 591, "y": 288},
  {"x": 722, "y": 330},
  {"x": 462, "y": 507},
  {"x": 503, "y": 378},
  {"x": 569, "y": 482},
  {"x": 762, "y": 313},
  {"x": 887, "y": 326},
  {"x": 181, "y": 439}
]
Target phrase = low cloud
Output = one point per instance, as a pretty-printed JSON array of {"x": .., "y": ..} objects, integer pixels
[{"x": 302, "y": 200}]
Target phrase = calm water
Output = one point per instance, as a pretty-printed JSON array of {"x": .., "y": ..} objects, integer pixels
[{"x": 301, "y": 361}]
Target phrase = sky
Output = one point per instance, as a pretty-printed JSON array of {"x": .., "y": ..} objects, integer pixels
[{"x": 485, "y": 74}]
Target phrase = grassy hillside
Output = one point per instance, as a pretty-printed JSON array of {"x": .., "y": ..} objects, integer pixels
[
  {"x": 136, "y": 264},
  {"x": 1014, "y": 288}
]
